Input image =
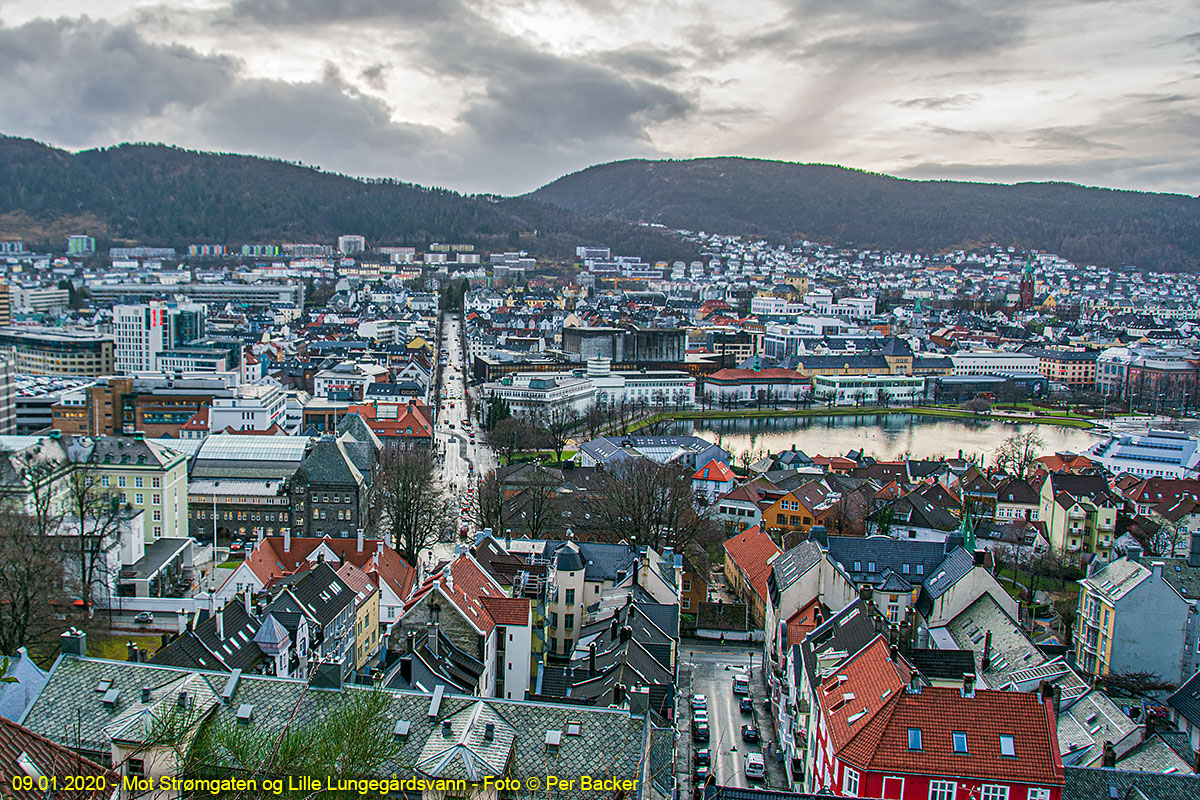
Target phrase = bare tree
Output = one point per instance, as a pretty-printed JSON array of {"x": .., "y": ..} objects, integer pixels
[
  {"x": 407, "y": 501},
  {"x": 97, "y": 521},
  {"x": 593, "y": 420},
  {"x": 538, "y": 501},
  {"x": 511, "y": 436},
  {"x": 1166, "y": 539},
  {"x": 558, "y": 422},
  {"x": 650, "y": 503},
  {"x": 31, "y": 582},
  {"x": 490, "y": 511},
  {"x": 1016, "y": 454}
]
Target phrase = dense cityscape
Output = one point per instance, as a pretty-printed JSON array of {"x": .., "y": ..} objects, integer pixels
[{"x": 788, "y": 520}]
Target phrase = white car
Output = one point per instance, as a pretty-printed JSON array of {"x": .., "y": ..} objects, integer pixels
[
  {"x": 699, "y": 701},
  {"x": 756, "y": 768},
  {"x": 700, "y": 715}
]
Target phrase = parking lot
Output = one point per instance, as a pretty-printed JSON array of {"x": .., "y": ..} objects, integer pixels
[{"x": 709, "y": 670}]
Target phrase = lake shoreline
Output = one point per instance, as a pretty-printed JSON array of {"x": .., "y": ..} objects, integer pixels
[{"x": 868, "y": 411}]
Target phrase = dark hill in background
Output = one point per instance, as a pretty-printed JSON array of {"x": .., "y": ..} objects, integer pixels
[
  {"x": 166, "y": 196},
  {"x": 781, "y": 200}
]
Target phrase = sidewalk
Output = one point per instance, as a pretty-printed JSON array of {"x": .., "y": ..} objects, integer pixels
[{"x": 765, "y": 720}]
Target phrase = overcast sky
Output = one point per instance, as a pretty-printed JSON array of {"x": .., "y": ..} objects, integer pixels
[{"x": 505, "y": 95}]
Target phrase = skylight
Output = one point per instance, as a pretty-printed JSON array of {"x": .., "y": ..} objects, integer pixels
[
  {"x": 1007, "y": 745},
  {"x": 960, "y": 741},
  {"x": 914, "y": 738}
]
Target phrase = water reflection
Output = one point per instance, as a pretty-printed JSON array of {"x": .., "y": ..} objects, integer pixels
[{"x": 886, "y": 437}]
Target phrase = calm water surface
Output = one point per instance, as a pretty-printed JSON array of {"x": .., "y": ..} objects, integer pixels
[{"x": 885, "y": 437}]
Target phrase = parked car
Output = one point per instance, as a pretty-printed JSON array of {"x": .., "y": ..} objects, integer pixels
[
  {"x": 700, "y": 731},
  {"x": 746, "y": 705},
  {"x": 750, "y": 733},
  {"x": 701, "y": 773},
  {"x": 756, "y": 768},
  {"x": 741, "y": 683},
  {"x": 700, "y": 715},
  {"x": 144, "y": 618},
  {"x": 699, "y": 701},
  {"x": 703, "y": 757},
  {"x": 236, "y": 547}
]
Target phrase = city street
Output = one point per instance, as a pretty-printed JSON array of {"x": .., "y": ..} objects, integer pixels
[
  {"x": 461, "y": 459},
  {"x": 708, "y": 670}
]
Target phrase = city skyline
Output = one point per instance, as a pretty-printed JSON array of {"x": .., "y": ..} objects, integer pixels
[{"x": 505, "y": 96}]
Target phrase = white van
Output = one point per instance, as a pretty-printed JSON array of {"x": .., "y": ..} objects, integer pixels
[
  {"x": 756, "y": 768},
  {"x": 741, "y": 683}
]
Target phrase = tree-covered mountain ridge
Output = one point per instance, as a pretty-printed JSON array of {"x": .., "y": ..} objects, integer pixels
[
  {"x": 788, "y": 201},
  {"x": 162, "y": 195}
]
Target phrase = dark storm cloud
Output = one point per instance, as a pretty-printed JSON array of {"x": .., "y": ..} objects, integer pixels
[
  {"x": 71, "y": 80},
  {"x": 528, "y": 116}
]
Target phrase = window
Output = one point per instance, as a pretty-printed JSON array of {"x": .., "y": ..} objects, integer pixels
[
  {"x": 960, "y": 741},
  {"x": 849, "y": 782},
  {"x": 569, "y": 621},
  {"x": 121, "y": 481},
  {"x": 994, "y": 792},
  {"x": 1039, "y": 794},
  {"x": 570, "y": 597},
  {"x": 138, "y": 499},
  {"x": 158, "y": 515},
  {"x": 136, "y": 766},
  {"x": 156, "y": 499},
  {"x": 137, "y": 483},
  {"x": 914, "y": 738},
  {"x": 156, "y": 482},
  {"x": 870, "y": 566},
  {"x": 942, "y": 790},
  {"x": 104, "y": 480},
  {"x": 1007, "y": 747}
]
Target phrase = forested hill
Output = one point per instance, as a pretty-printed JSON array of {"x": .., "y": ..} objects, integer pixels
[
  {"x": 782, "y": 200},
  {"x": 166, "y": 196}
]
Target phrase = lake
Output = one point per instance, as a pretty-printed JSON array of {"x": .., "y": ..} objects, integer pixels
[{"x": 886, "y": 436}]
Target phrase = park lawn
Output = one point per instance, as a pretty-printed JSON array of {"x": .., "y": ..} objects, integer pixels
[
  {"x": 114, "y": 646},
  {"x": 1059, "y": 418},
  {"x": 231, "y": 564}
]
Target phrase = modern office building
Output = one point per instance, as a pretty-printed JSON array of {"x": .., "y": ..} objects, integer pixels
[
  {"x": 57, "y": 351},
  {"x": 144, "y": 331},
  {"x": 1164, "y": 454},
  {"x": 247, "y": 295}
]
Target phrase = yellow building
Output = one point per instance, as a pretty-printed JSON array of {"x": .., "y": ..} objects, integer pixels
[
  {"x": 150, "y": 477},
  {"x": 367, "y": 640},
  {"x": 1080, "y": 513}
]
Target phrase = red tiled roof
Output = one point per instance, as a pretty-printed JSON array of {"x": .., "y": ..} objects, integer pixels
[
  {"x": 270, "y": 563},
  {"x": 753, "y": 552},
  {"x": 882, "y": 743},
  {"x": 508, "y": 610},
  {"x": 471, "y": 586},
  {"x": 198, "y": 422},
  {"x": 864, "y": 682},
  {"x": 803, "y": 621},
  {"x": 713, "y": 471},
  {"x": 52, "y": 759}
]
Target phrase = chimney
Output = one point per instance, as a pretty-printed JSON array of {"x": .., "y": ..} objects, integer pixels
[
  {"x": 968, "y": 687},
  {"x": 409, "y": 639},
  {"x": 287, "y": 540},
  {"x": 130, "y": 651},
  {"x": 914, "y": 683},
  {"x": 431, "y": 637},
  {"x": 181, "y": 616},
  {"x": 865, "y": 593},
  {"x": 592, "y": 660},
  {"x": 406, "y": 672},
  {"x": 1109, "y": 759},
  {"x": 893, "y": 653},
  {"x": 73, "y": 642},
  {"x": 1134, "y": 552},
  {"x": 614, "y": 628},
  {"x": 246, "y": 598},
  {"x": 220, "y": 615},
  {"x": 327, "y": 675},
  {"x": 980, "y": 556},
  {"x": 360, "y": 540},
  {"x": 639, "y": 701},
  {"x": 987, "y": 650},
  {"x": 626, "y": 634}
]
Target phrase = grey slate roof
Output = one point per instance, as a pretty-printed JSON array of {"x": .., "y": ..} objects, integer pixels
[
  {"x": 30, "y": 678},
  {"x": 847, "y": 631},
  {"x": 949, "y": 665},
  {"x": 71, "y": 707},
  {"x": 788, "y": 568},
  {"x": 1095, "y": 783},
  {"x": 885, "y": 553},
  {"x": 1186, "y": 699}
]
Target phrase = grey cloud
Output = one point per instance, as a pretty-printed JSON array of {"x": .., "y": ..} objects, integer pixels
[
  {"x": 1076, "y": 138},
  {"x": 943, "y": 103},
  {"x": 74, "y": 80},
  {"x": 375, "y": 76},
  {"x": 304, "y": 12},
  {"x": 653, "y": 62}
]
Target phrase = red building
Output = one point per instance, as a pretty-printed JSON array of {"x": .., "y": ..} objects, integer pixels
[
  {"x": 882, "y": 733},
  {"x": 404, "y": 426}
]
